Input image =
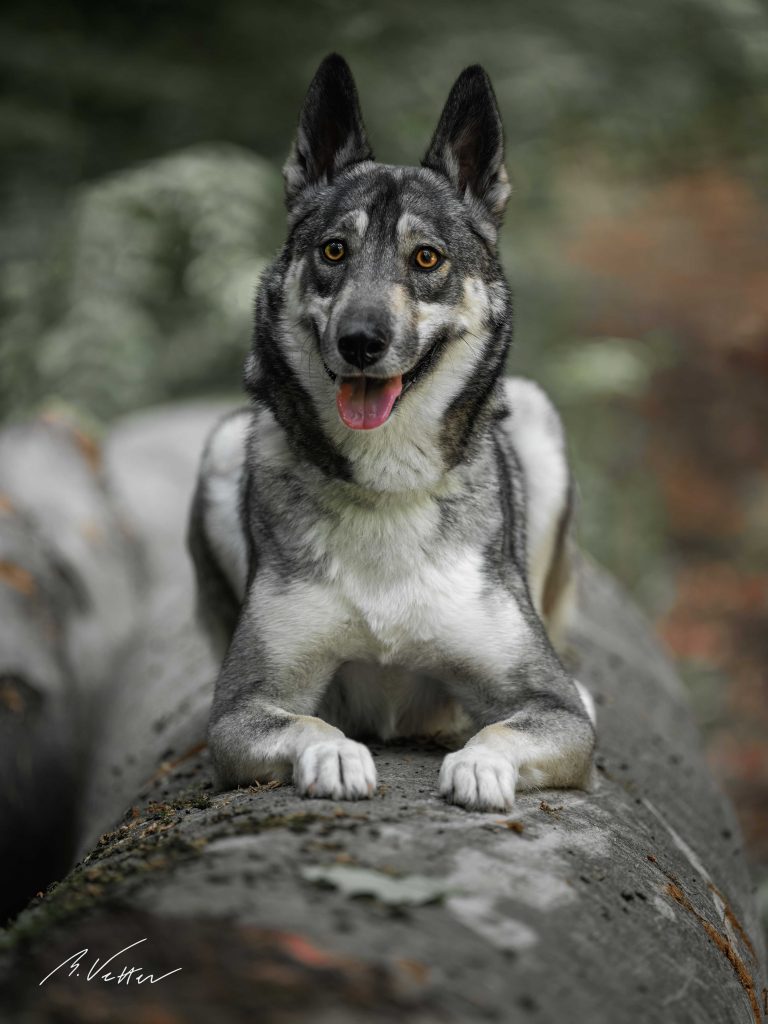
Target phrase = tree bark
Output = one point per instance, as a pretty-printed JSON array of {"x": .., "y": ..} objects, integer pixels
[{"x": 628, "y": 903}]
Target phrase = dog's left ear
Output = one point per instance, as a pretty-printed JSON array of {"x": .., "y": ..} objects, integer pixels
[
  {"x": 331, "y": 135},
  {"x": 468, "y": 145}
]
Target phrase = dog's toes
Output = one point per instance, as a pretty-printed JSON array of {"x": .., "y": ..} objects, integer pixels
[
  {"x": 478, "y": 779},
  {"x": 340, "y": 769}
]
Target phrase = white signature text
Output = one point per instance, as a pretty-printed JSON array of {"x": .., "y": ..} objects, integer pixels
[{"x": 98, "y": 971}]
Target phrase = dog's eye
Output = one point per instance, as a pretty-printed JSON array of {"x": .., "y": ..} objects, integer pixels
[
  {"x": 334, "y": 250},
  {"x": 426, "y": 258}
]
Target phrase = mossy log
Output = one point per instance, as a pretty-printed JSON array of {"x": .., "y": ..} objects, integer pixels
[{"x": 629, "y": 903}]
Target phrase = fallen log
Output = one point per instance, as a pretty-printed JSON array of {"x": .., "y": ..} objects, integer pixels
[
  {"x": 160, "y": 692},
  {"x": 628, "y": 903},
  {"x": 68, "y": 586}
]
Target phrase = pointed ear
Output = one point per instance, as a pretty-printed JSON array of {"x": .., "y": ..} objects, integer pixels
[
  {"x": 331, "y": 135},
  {"x": 468, "y": 145}
]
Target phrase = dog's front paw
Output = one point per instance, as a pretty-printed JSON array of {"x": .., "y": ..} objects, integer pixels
[
  {"x": 479, "y": 779},
  {"x": 340, "y": 769}
]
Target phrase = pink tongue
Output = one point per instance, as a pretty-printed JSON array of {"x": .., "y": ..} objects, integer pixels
[{"x": 365, "y": 403}]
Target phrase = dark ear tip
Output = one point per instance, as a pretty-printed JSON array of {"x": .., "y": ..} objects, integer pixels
[
  {"x": 333, "y": 64},
  {"x": 475, "y": 76}
]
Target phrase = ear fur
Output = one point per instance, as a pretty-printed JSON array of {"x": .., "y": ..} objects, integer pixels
[
  {"x": 468, "y": 144},
  {"x": 331, "y": 134}
]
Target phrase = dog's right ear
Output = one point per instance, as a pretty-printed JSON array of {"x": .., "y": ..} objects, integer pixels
[{"x": 331, "y": 135}]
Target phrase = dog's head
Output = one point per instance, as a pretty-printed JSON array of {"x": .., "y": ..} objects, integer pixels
[{"x": 390, "y": 273}]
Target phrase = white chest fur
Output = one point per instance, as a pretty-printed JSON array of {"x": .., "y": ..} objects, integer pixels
[{"x": 417, "y": 599}]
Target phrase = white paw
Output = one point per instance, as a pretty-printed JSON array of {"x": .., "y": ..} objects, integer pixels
[
  {"x": 479, "y": 779},
  {"x": 340, "y": 769}
]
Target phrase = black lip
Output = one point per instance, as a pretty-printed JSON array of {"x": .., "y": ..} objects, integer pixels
[
  {"x": 411, "y": 376},
  {"x": 424, "y": 365}
]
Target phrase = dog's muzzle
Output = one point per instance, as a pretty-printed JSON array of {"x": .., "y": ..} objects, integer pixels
[{"x": 364, "y": 401}]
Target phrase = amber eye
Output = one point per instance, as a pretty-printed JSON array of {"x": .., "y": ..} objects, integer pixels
[
  {"x": 334, "y": 250},
  {"x": 427, "y": 258}
]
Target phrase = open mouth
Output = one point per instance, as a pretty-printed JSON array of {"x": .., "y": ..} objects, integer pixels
[{"x": 365, "y": 403}]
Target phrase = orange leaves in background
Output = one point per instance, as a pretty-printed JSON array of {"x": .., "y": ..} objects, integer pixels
[
  {"x": 690, "y": 263},
  {"x": 692, "y": 258}
]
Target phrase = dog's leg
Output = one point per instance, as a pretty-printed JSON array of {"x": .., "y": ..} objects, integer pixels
[
  {"x": 283, "y": 655},
  {"x": 536, "y": 726}
]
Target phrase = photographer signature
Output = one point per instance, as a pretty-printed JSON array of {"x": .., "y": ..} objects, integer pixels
[{"x": 98, "y": 972}]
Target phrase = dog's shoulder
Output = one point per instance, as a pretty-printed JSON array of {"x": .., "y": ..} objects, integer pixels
[
  {"x": 224, "y": 448},
  {"x": 532, "y": 426},
  {"x": 531, "y": 416},
  {"x": 216, "y": 538}
]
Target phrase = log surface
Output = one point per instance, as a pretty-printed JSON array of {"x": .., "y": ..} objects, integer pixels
[{"x": 628, "y": 903}]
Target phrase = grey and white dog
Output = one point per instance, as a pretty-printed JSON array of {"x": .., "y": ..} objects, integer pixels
[{"x": 382, "y": 539}]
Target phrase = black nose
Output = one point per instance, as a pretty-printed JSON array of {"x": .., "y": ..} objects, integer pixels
[{"x": 361, "y": 347}]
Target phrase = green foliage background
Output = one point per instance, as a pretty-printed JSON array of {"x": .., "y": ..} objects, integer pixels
[
  {"x": 140, "y": 146},
  {"x": 123, "y": 284}
]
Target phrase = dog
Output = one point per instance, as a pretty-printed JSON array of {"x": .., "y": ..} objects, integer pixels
[{"x": 382, "y": 539}]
